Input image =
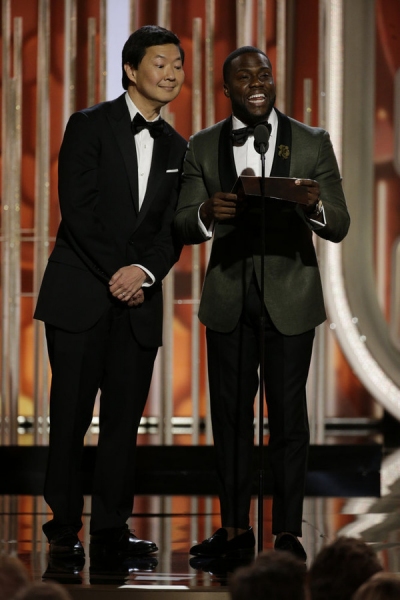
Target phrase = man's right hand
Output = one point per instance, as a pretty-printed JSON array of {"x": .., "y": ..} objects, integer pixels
[{"x": 220, "y": 207}]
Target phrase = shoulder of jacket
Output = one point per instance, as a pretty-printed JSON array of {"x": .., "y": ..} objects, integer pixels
[
  {"x": 306, "y": 129},
  {"x": 213, "y": 130},
  {"x": 103, "y": 107}
]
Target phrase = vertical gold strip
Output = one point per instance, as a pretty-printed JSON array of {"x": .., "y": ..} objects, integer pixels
[
  {"x": 322, "y": 52},
  {"x": 134, "y": 15},
  {"x": 307, "y": 101},
  {"x": 261, "y": 25},
  {"x": 166, "y": 401},
  {"x": 11, "y": 229},
  {"x": 164, "y": 13},
  {"x": 91, "y": 65},
  {"x": 381, "y": 224},
  {"x": 42, "y": 208},
  {"x": 196, "y": 284},
  {"x": 164, "y": 20},
  {"x": 5, "y": 198},
  {"x": 281, "y": 57},
  {"x": 197, "y": 105},
  {"x": 103, "y": 51},
  {"x": 396, "y": 125},
  {"x": 244, "y": 20},
  {"x": 395, "y": 295},
  {"x": 70, "y": 45},
  {"x": 15, "y": 235},
  {"x": 11, "y": 290},
  {"x": 209, "y": 57}
]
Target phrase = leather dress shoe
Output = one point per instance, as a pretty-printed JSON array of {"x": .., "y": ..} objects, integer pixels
[
  {"x": 66, "y": 544},
  {"x": 289, "y": 543},
  {"x": 65, "y": 569},
  {"x": 218, "y": 545},
  {"x": 219, "y": 566},
  {"x": 121, "y": 542},
  {"x": 117, "y": 569}
]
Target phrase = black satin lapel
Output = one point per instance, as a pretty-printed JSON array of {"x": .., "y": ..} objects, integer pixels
[
  {"x": 281, "y": 163},
  {"x": 159, "y": 163},
  {"x": 121, "y": 124},
  {"x": 226, "y": 162}
]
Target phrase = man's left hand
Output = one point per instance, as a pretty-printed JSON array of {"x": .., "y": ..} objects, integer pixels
[
  {"x": 312, "y": 194},
  {"x": 126, "y": 283}
]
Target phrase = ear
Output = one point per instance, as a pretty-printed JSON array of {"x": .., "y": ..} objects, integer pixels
[
  {"x": 226, "y": 91},
  {"x": 130, "y": 72}
]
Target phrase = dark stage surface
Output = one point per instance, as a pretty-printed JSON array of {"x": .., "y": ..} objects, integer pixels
[{"x": 352, "y": 490}]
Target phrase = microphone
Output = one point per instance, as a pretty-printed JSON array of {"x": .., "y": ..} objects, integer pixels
[{"x": 261, "y": 138}]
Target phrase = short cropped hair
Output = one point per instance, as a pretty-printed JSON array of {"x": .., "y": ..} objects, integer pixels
[
  {"x": 272, "y": 576},
  {"x": 136, "y": 45},
  {"x": 234, "y": 54},
  {"x": 381, "y": 586},
  {"x": 340, "y": 568}
]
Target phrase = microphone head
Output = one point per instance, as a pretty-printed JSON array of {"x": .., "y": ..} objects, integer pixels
[{"x": 261, "y": 138}]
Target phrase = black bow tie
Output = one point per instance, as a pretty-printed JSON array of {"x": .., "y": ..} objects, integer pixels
[
  {"x": 156, "y": 128},
  {"x": 239, "y": 136}
]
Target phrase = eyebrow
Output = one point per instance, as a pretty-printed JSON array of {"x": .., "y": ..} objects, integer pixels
[{"x": 163, "y": 56}]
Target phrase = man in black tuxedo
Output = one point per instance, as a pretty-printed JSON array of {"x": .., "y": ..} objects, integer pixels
[
  {"x": 231, "y": 302},
  {"x": 101, "y": 295}
]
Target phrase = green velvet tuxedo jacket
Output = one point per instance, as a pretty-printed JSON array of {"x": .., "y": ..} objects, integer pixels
[{"x": 292, "y": 285}]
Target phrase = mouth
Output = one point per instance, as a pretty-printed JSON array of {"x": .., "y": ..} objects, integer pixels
[{"x": 257, "y": 99}]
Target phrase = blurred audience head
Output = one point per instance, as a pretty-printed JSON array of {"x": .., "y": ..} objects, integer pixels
[
  {"x": 272, "y": 576},
  {"x": 341, "y": 568},
  {"x": 43, "y": 591},
  {"x": 382, "y": 586},
  {"x": 13, "y": 576}
]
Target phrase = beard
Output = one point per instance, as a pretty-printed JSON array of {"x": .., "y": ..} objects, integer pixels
[{"x": 249, "y": 118}]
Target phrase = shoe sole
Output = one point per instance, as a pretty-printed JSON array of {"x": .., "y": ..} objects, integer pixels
[
  {"x": 240, "y": 553},
  {"x": 97, "y": 552}
]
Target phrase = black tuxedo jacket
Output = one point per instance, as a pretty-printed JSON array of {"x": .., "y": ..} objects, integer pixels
[
  {"x": 102, "y": 228},
  {"x": 293, "y": 291}
]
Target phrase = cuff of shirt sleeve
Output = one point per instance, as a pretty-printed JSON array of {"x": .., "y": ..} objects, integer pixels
[
  {"x": 150, "y": 276},
  {"x": 319, "y": 222},
  {"x": 207, "y": 233}
]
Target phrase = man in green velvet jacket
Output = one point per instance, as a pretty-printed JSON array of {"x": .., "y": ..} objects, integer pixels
[{"x": 231, "y": 307}]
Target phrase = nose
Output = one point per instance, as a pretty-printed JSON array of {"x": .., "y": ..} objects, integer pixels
[
  {"x": 169, "y": 72},
  {"x": 256, "y": 81}
]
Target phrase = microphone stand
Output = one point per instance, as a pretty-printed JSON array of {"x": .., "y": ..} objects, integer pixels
[
  {"x": 261, "y": 135},
  {"x": 262, "y": 369}
]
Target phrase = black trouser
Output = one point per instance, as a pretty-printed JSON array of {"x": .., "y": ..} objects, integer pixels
[
  {"x": 233, "y": 361},
  {"x": 106, "y": 357}
]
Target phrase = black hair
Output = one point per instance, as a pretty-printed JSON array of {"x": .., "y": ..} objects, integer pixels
[
  {"x": 136, "y": 45},
  {"x": 234, "y": 54}
]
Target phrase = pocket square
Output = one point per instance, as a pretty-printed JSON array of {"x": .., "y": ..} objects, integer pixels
[{"x": 172, "y": 170}]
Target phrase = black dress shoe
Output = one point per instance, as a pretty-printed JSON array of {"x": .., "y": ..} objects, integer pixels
[
  {"x": 218, "y": 545},
  {"x": 110, "y": 569},
  {"x": 289, "y": 543},
  {"x": 121, "y": 542},
  {"x": 65, "y": 570},
  {"x": 219, "y": 566},
  {"x": 66, "y": 544}
]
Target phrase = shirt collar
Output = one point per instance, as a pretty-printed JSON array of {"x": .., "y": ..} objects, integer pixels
[
  {"x": 133, "y": 110},
  {"x": 272, "y": 120}
]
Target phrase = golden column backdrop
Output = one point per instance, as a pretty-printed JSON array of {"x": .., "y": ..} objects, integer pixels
[{"x": 336, "y": 65}]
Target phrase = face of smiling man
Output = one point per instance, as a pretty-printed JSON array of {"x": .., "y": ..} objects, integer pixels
[
  {"x": 250, "y": 87},
  {"x": 157, "y": 80}
]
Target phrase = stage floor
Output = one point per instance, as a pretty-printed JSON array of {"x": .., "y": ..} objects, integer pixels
[{"x": 176, "y": 522}]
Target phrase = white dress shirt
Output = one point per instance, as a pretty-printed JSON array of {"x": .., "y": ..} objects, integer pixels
[
  {"x": 144, "y": 152},
  {"x": 246, "y": 157}
]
